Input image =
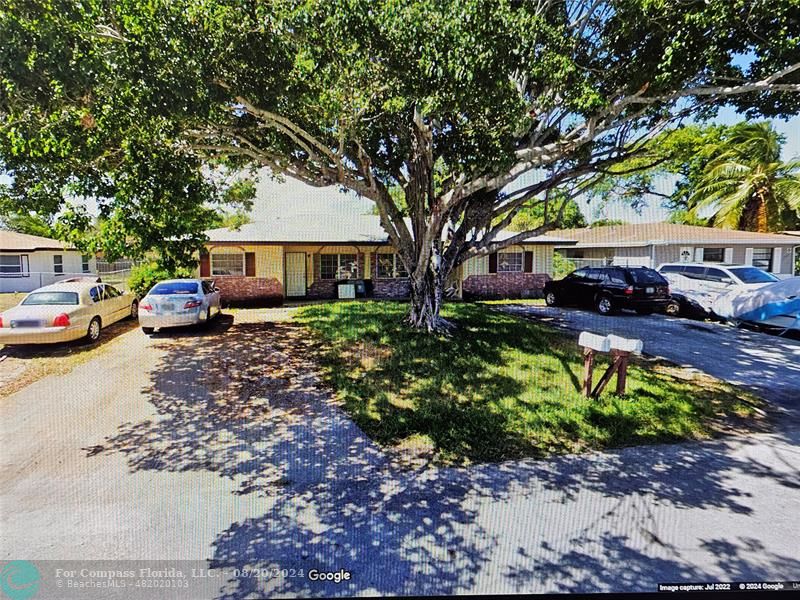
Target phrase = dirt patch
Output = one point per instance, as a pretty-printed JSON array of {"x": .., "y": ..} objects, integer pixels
[{"x": 22, "y": 365}]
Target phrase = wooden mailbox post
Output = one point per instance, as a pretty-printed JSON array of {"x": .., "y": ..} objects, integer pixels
[{"x": 620, "y": 349}]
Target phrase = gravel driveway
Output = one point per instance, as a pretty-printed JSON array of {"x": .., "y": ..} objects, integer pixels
[
  {"x": 765, "y": 364},
  {"x": 221, "y": 446}
]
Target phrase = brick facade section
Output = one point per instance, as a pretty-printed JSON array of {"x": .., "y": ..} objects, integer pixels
[
  {"x": 505, "y": 285},
  {"x": 391, "y": 288},
  {"x": 250, "y": 290}
]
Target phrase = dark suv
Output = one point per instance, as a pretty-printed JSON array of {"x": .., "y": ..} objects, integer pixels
[{"x": 609, "y": 289}]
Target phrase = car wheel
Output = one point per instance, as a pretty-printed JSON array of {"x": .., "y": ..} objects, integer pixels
[
  {"x": 550, "y": 299},
  {"x": 148, "y": 330},
  {"x": 644, "y": 311},
  {"x": 604, "y": 305},
  {"x": 93, "y": 332},
  {"x": 673, "y": 309},
  {"x": 135, "y": 310}
]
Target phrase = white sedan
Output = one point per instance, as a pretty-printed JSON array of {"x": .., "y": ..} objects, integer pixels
[
  {"x": 178, "y": 302},
  {"x": 66, "y": 311}
]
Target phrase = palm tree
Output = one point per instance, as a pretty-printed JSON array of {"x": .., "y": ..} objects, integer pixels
[{"x": 746, "y": 185}]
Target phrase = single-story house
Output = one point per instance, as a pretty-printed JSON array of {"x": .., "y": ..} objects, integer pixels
[
  {"x": 652, "y": 244},
  {"x": 304, "y": 256},
  {"x": 28, "y": 262}
]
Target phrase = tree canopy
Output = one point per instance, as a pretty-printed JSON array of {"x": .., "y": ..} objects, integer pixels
[{"x": 133, "y": 103}]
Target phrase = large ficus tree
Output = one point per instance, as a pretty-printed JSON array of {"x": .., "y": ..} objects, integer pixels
[{"x": 449, "y": 101}]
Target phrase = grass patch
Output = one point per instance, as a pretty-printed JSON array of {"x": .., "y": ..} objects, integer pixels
[
  {"x": 501, "y": 387},
  {"x": 7, "y": 300}
]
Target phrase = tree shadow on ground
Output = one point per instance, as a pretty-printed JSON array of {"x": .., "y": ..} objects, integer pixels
[
  {"x": 72, "y": 348},
  {"x": 247, "y": 404}
]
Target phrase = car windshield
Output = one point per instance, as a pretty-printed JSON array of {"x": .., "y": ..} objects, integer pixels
[
  {"x": 646, "y": 276},
  {"x": 753, "y": 275},
  {"x": 175, "y": 287},
  {"x": 51, "y": 298}
]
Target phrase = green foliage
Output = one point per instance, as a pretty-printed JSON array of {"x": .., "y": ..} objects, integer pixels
[
  {"x": 607, "y": 222},
  {"x": 143, "y": 277},
  {"x": 232, "y": 221},
  {"x": 562, "y": 266},
  {"x": 684, "y": 217},
  {"x": 498, "y": 387},
  {"x": 30, "y": 223},
  {"x": 530, "y": 218},
  {"x": 745, "y": 185}
]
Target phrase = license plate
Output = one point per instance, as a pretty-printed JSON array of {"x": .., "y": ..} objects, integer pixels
[
  {"x": 26, "y": 323},
  {"x": 649, "y": 290},
  {"x": 167, "y": 307}
]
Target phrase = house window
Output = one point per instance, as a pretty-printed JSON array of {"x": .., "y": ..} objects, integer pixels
[
  {"x": 338, "y": 266},
  {"x": 762, "y": 258},
  {"x": 715, "y": 255},
  {"x": 58, "y": 264},
  {"x": 390, "y": 266},
  {"x": 11, "y": 265},
  {"x": 85, "y": 263},
  {"x": 227, "y": 264},
  {"x": 509, "y": 262}
]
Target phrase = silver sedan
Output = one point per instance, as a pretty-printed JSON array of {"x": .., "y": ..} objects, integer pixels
[{"x": 177, "y": 303}]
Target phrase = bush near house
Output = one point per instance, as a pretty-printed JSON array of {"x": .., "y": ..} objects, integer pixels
[
  {"x": 144, "y": 277},
  {"x": 500, "y": 387}
]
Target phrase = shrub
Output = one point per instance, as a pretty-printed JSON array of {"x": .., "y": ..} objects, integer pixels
[
  {"x": 562, "y": 266},
  {"x": 146, "y": 276}
]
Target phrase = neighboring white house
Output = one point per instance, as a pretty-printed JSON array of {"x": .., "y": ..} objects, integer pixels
[
  {"x": 28, "y": 262},
  {"x": 652, "y": 244}
]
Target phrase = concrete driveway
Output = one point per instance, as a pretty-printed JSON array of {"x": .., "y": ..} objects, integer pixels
[
  {"x": 221, "y": 447},
  {"x": 765, "y": 364}
]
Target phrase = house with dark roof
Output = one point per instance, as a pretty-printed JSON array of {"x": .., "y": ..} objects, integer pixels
[
  {"x": 307, "y": 255},
  {"x": 28, "y": 262},
  {"x": 653, "y": 244}
]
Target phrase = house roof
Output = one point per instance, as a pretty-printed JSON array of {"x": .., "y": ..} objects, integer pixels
[
  {"x": 11, "y": 241},
  {"x": 791, "y": 232},
  {"x": 647, "y": 234},
  {"x": 318, "y": 228}
]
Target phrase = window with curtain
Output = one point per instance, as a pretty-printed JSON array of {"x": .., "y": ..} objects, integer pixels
[
  {"x": 10, "y": 265},
  {"x": 509, "y": 262},
  {"x": 85, "y": 263},
  {"x": 390, "y": 267},
  {"x": 762, "y": 258},
  {"x": 338, "y": 266},
  {"x": 58, "y": 263},
  {"x": 714, "y": 255},
  {"x": 227, "y": 264}
]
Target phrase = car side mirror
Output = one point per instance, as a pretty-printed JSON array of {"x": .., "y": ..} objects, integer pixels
[{"x": 727, "y": 280}]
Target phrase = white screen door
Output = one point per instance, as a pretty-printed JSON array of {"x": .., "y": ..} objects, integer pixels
[{"x": 295, "y": 273}]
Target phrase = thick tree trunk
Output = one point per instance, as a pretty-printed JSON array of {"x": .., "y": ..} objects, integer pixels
[{"x": 427, "y": 295}]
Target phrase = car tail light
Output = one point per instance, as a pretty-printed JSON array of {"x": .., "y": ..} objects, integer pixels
[
  {"x": 145, "y": 307},
  {"x": 1, "y": 320},
  {"x": 61, "y": 320},
  {"x": 192, "y": 304},
  {"x": 629, "y": 290}
]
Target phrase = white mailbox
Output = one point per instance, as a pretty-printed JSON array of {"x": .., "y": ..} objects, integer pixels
[
  {"x": 625, "y": 344},
  {"x": 599, "y": 343}
]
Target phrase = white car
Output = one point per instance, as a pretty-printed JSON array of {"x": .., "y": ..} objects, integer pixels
[
  {"x": 64, "y": 311},
  {"x": 177, "y": 303},
  {"x": 700, "y": 277}
]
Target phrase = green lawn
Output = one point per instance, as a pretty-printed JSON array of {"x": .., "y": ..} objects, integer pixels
[{"x": 501, "y": 387}]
